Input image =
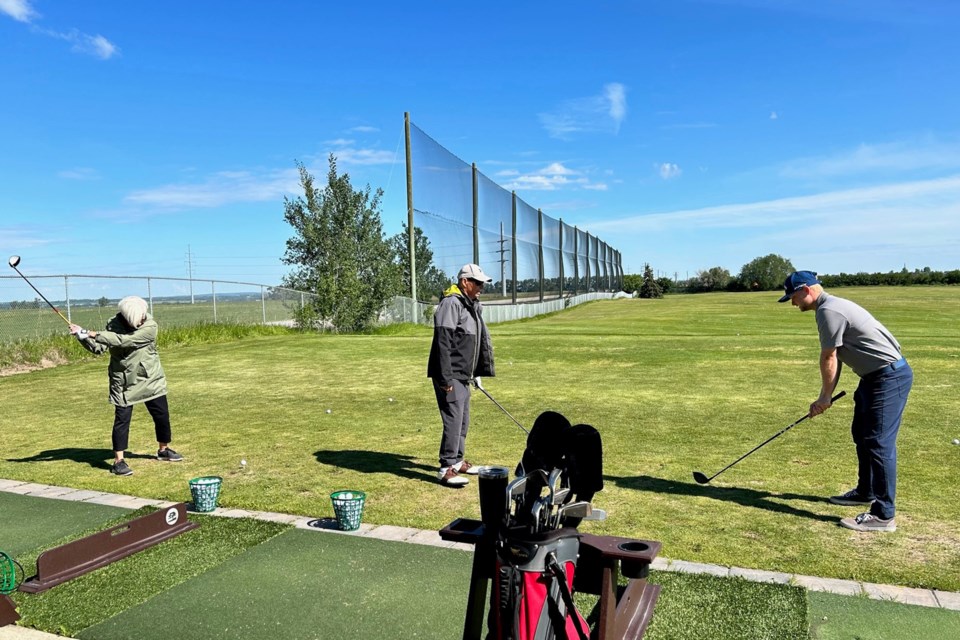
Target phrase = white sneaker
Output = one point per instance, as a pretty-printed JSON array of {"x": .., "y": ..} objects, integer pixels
[
  {"x": 464, "y": 467},
  {"x": 448, "y": 476}
]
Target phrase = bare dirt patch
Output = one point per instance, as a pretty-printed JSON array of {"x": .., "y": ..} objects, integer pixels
[{"x": 45, "y": 363}]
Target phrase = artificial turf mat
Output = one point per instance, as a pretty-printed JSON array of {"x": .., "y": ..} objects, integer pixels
[
  {"x": 834, "y": 617},
  {"x": 28, "y": 522},
  {"x": 706, "y": 607},
  {"x": 306, "y": 584},
  {"x": 92, "y": 598}
]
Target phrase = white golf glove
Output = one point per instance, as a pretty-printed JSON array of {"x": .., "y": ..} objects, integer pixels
[
  {"x": 477, "y": 384},
  {"x": 82, "y": 335}
]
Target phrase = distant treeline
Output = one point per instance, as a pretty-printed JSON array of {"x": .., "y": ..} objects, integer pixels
[
  {"x": 892, "y": 278},
  {"x": 718, "y": 279}
]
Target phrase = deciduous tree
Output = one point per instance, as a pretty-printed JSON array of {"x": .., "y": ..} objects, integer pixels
[{"x": 338, "y": 251}]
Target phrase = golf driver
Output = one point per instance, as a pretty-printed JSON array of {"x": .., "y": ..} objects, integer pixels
[
  {"x": 13, "y": 262},
  {"x": 702, "y": 479},
  {"x": 502, "y": 409}
]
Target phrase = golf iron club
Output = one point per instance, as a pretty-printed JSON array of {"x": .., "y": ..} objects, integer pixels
[
  {"x": 502, "y": 409},
  {"x": 13, "y": 262},
  {"x": 702, "y": 479}
]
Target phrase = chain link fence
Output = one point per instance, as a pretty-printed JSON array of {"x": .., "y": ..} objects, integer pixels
[{"x": 90, "y": 301}]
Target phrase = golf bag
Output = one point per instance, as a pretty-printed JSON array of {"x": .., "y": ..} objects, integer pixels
[
  {"x": 532, "y": 595},
  {"x": 537, "y": 547}
]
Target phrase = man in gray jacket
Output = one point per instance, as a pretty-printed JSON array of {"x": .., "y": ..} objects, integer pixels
[
  {"x": 135, "y": 376},
  {"x": 461, "y": 352},
  {"x": 850, "y": 336}
]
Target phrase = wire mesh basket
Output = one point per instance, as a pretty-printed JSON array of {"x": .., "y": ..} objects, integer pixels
[
  {"x": 348, "y": 508},
  {"x": 205, "y": 492},
  {"x": 8, "y": 574}
]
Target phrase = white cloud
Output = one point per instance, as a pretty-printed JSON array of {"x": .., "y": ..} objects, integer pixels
[
  {"x": 867, "y": 229},
  {"x": 364, "y": 156},
  {"x": 602, "y": 113},
  {"x": 363, "y": 129},
  {"x": 226, "y": 187},
  {"x": 549, "y": 178},
  {"x": 894, "y": 158},
  {"x": 773, "y": 115},
  {"x": 97, "y": 46},
  {"x": 19, "y": 10},
  {"x": 668, "y": 170},
  {"x": 79, "y": 173}
]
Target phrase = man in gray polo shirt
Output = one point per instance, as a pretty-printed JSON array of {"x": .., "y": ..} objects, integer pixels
[{"x": 850, "y": 336}]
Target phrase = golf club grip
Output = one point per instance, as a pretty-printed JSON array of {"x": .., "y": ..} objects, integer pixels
[{"x": 837, "y": 397}]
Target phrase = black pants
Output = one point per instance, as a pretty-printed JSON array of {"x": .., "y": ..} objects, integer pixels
[{"x": 161, "y": 422}]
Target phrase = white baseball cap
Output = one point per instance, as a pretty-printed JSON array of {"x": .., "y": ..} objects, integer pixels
[{"x": 473, "y": 272}]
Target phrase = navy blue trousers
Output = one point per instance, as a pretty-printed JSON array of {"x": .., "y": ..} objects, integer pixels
[{"x": 879, "y": 402}]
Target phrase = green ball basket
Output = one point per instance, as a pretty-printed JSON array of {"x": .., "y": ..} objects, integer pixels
[
  {"x": 8, "y": 574},
  {"x": 348, "y": 507},
  {"x": 205, "y": 492}
]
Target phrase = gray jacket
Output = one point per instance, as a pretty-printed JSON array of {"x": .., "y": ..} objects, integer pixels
[{"x": 461, "y": 348}]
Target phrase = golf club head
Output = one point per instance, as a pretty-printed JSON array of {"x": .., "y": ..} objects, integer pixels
[
  {"x": 14, "y": 261},
  {"x": 700, "y": 478},
  {"x": 597, "y": 514}
]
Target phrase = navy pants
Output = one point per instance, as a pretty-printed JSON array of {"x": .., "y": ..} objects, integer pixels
[
  {"x": 879, "y": 402},
  {"x": 161, "y": 422},
  {"x": 455, "y": 413}
]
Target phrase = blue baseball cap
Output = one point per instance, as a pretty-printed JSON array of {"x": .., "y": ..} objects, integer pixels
[{"x": 796, "y": 280}]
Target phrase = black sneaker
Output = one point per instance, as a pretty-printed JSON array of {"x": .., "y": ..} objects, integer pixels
[
  {"x": 169, "y": 455},
  {"x": 121, "y": 469},
  {"x": 852, "y": 498}
]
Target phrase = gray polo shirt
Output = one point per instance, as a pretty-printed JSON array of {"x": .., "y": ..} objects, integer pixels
[{"x": 862, "y": 343}]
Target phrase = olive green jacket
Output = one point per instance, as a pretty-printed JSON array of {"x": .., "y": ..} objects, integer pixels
[{"x": 135, "y": 372}]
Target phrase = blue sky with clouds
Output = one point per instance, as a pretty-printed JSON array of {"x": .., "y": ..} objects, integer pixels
[{"x": 688, "y": 134}]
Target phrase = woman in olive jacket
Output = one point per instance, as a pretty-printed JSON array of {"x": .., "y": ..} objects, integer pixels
[{"x": 135, "y": 376}]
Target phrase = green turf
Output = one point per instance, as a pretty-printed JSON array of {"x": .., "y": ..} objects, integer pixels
[
  {"x": 97, "y": 596},
  {"x": 235, "y": 577},
  {"x": 675, "y": 385},
  {"x": 706, "y": 607},
  {"x": 834, "y": 617},
  {"x": 306, "y": 584},
  {"x": 28, "y": 523}
]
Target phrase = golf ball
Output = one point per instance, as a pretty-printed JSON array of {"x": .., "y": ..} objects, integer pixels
[
  {"x": 389, "y": 399},
  {"x": 955, "y": 441},
  {"x": 243, "y": 463},
  {"x": 329, "y": 410}
]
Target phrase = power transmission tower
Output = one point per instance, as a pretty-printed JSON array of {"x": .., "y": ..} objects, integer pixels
[
  {"x": 503, "y": 261},
  {"x": 190, "y": 272}
]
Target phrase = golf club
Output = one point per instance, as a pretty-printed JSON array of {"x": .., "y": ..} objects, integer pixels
[
  {"x": 13, "y": 262},
  {"x": 502, "y": 409},
  {"x": 702, "y": 479}
]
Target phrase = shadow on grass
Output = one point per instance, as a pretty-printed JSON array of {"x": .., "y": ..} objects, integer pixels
[
  {"x": 96, "y": 458},
  {"x": 746, "y": 497},
  {"x": 378, "y": 462}
]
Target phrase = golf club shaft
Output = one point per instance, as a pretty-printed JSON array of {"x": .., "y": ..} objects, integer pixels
[
  {"x": 57, "y": 311},
  {"x": 502, "y": 409},
  {"x": 773, "y": 437}
]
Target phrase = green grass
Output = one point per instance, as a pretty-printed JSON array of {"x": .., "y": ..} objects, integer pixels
[{"x": 675, "y": 385}]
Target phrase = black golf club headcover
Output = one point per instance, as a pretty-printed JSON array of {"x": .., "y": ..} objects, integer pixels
[
  {"x": 583, "y": 450},
  {"x": 544, "y": 443}
]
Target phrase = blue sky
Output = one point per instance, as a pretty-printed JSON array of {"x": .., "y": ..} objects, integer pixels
[{"x": 688, "y": 134}]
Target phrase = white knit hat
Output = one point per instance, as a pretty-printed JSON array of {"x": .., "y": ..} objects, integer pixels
[{"x": 134, "y": 310}]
